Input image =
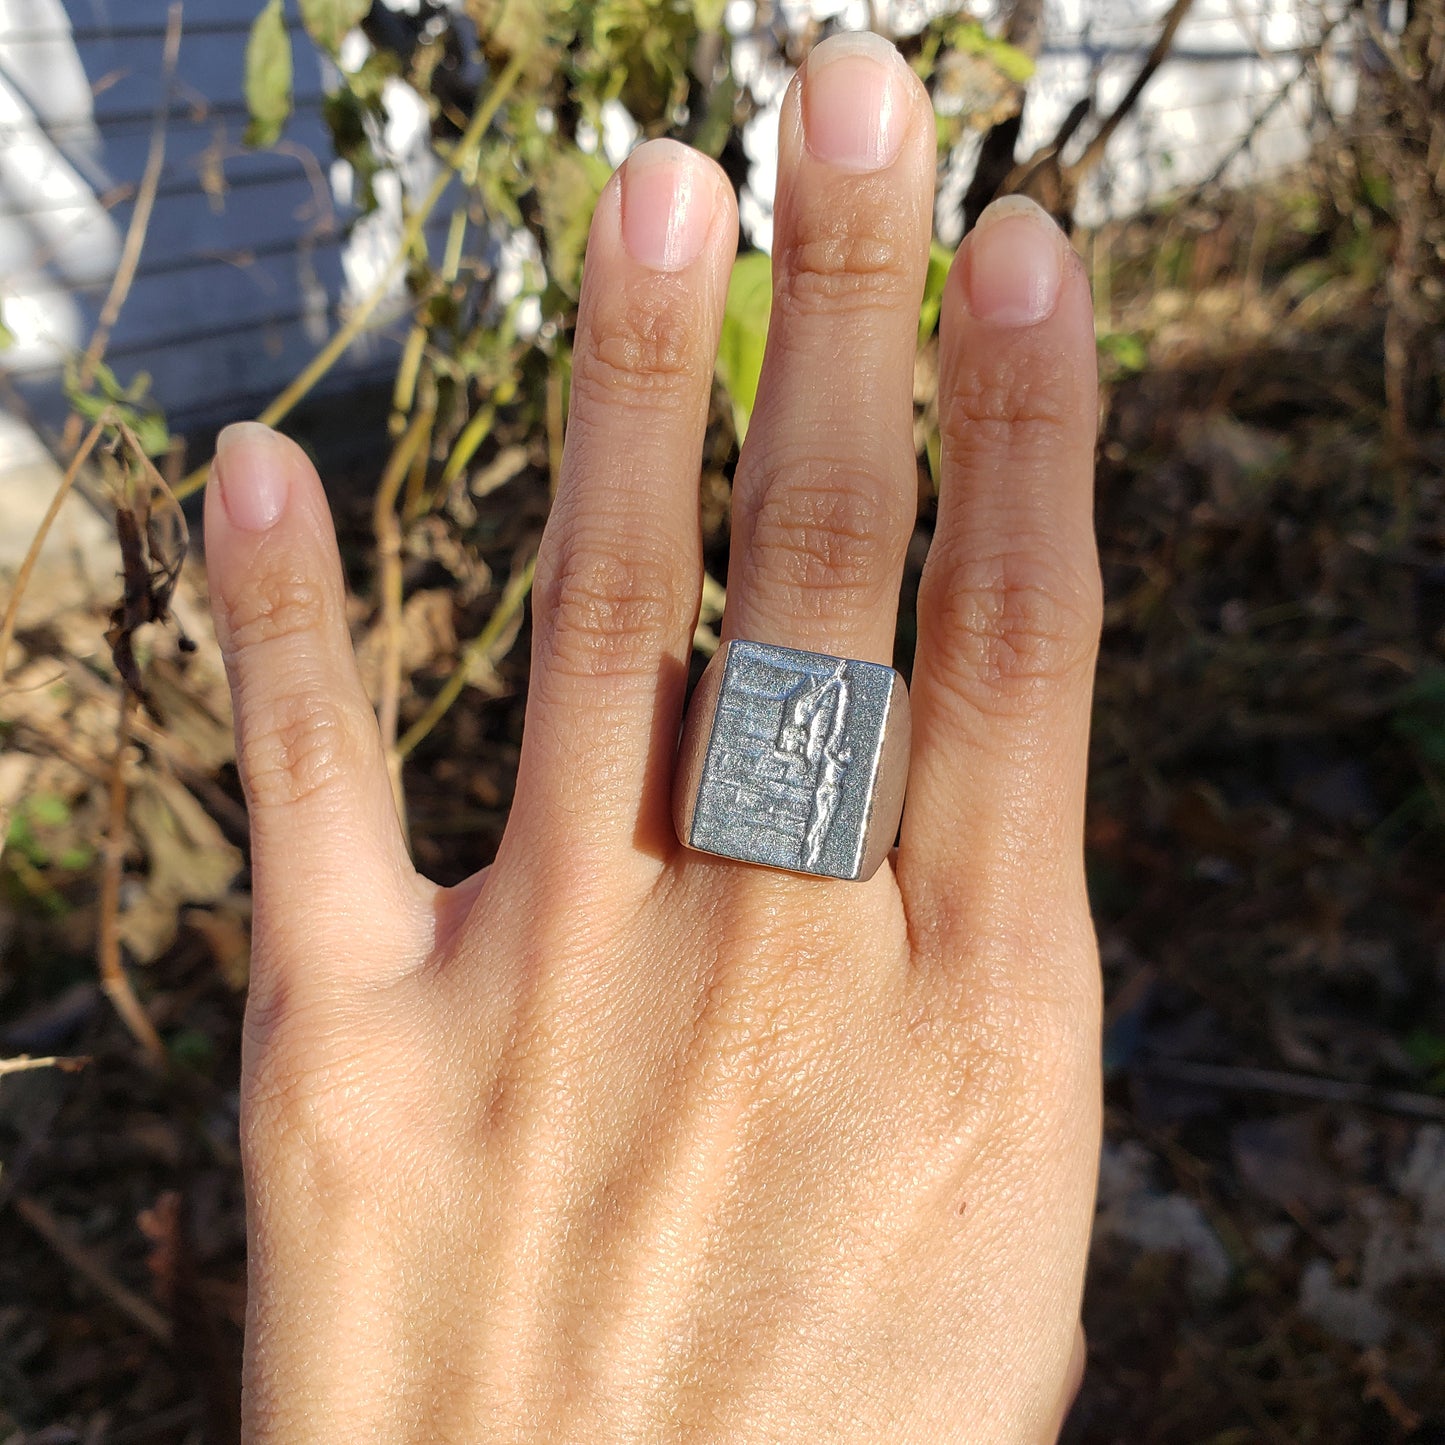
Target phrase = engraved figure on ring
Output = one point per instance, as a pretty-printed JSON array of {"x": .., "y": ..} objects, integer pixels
[{"x": 812, "y": 727}]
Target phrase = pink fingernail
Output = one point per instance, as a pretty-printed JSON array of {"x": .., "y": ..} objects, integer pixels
[
  {"x": 854, "y": 103},
  {"x": 667, "y": 205},
  {"x": 253, "y": 474},
  {"x": 1015, "y": 263}
]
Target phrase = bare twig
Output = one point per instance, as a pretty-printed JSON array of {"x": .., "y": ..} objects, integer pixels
[
  {"x": 386, "y": 526},
  {"x": 113, "y": 977},
  {"x": 139, "y": 222},
  {"x": 1043, "y": 175},
  {"x": 1094, "y": 151},
  {"x": 90, "y": 1268},
  {"x": 1262, "y": 117},
  {"x": 32, "y": 555},
  {"x": 334, "y": 349},
  {"x": 1024, "y": 30},
  {"x": 23, "y": 1063},
  {"x": 1300, "y": 1086},
  {"x": 479, "y": 649}
]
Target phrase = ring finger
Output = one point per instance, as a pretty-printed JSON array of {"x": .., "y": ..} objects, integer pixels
[{"x": 826, "y": 488}]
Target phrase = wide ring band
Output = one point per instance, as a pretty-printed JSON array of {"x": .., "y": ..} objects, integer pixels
[{"x": 793, "y": 760}]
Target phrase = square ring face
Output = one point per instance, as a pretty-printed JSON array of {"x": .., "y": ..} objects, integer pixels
[{"x": 789, "y": 777}]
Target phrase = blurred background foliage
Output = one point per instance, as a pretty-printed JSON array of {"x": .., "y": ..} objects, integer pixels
[{"x": 538, "y": 167}]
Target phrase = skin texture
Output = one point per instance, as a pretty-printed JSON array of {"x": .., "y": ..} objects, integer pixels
[{"x": 621, "y": 1143}]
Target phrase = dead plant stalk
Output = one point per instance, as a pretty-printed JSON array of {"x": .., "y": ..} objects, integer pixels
[
  {"x": 90, "y": 1268},
  {"x": 32, "y": 555},
  {"x": 24, "y": 1063},
  {"x": 140, "y": 220},
  {"x": 113, "y": 977},
  {"x": 386, "y": 526}
]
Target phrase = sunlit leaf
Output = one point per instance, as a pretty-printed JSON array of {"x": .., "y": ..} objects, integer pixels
[
  {"x": 327, "y": 22},
  {"x": 745, "y": 334},
  {"x": 268, "y": 76},
  {"x": 567, "y": 190},
  {"x": 49, "y": 809},
  {"x": 1011, "y": 62},
  {"x": 940, "y": 258},
  {"x": 1126, "y": 350},
  {"x": 709, "y": 14}
]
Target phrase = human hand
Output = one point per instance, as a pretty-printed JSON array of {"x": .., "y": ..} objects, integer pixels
[{"x": 621, "y": 1142}]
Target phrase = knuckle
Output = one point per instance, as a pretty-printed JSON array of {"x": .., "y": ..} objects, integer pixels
[
  {"x": 821, "y": 532},
  {"x": 837, "y": 257},
  {"x": 311, "y": 1111},
  {"x": 282, "y": 602},
  {"x": 1021, "y": 1019},
  {"x": 1010, "y": 622},
  {"x": 636, "y": 349},
  {"x": 1006, "y": 394},
  {"x": 609, "y": 605},
  {"x": 296, "y": 747},
  {"x": 301, "y": 1132}
]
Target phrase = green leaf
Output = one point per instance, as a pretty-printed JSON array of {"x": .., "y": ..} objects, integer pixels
[
  {"x": 1427, "y": 1049},
  {"x": 935, "y": 460},
  {"x": 192, "y": 1049},
  {"x": 7, "y": 336},
  {"x": 152, "y": 433},
  {"x": 268, "y": 76},
  {"x": 745, "y": 334},
  {"x": 1012, "y": 63},
  {"x": 327, "y": 22},
  {"x": 1126, "y": 349},
  {"x": 1420, "y": 719},
  {"x": 345, "y": 113},
  {"x": 20, "y": 838},
  {"x": 49, "y": 810},
  {"x": 709, "y": 14},
  {"x": 568, "y": 186},
  {"x": 129, "y": 404},
  {"x": 940, "y": 258}
]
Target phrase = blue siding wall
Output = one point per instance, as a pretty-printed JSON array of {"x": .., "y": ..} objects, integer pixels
[{"x": 241, "y": 275}]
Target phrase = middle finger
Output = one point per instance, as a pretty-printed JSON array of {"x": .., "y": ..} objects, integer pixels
[{"x": 826, "y": 489}]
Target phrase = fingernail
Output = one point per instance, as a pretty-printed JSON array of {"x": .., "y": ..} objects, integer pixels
[
  {"x": 1015, "y": 263},
  {"x": 667, "y": 205},
  {"x": 854, "y": 103},
  {"x": 252, "y": 471}
]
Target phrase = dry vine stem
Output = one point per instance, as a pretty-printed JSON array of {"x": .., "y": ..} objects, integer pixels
[
  {"x": 32, "y": 555},
  {"x": 139, "y": 223},
  {"x": 113, "y": 977},
  {"x": 479, "y": 649},
  {"x": 387, "y": 529},
  {"x": 89, "y": 1267},
  {"x": 23, "y": 1063}
]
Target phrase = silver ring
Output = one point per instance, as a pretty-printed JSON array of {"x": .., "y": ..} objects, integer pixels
[{"x": 793, "y": 760}]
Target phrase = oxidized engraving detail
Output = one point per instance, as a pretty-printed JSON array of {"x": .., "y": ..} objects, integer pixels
[
  {"x": 810, "y": 710},
  {"x": 791, "y": 761}
]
